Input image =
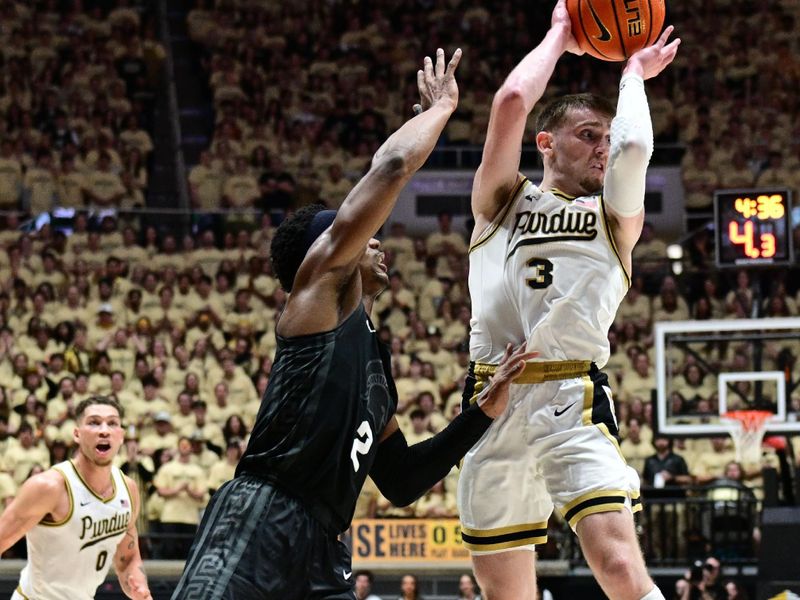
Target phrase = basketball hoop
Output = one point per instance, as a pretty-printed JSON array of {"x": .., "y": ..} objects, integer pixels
[{"x": 747, "y": 428}]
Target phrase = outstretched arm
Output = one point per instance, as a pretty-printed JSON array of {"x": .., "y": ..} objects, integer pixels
[
  {"x": 632, "y": 144},
  {"x": 403, "y": 473},
  {"x": 371, "y": 201},
  {"x": 39, "y": 496},
  {"x": 127, "y": 559},
  {"x": 512, "y": 104}
]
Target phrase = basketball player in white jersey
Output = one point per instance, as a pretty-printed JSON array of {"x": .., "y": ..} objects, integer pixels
[
  {"x": 79, "y": 516},
  {"x": 550, "y": 264}
]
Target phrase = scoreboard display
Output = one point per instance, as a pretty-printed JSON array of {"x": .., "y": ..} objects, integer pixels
[{"x": 753, "y": 227}]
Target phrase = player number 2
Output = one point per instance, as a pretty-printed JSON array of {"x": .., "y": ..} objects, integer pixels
[
  {"x": 101, "y": 560},
  {"x": 542, "y": 273},
  {"x": 361, "y": 444}
]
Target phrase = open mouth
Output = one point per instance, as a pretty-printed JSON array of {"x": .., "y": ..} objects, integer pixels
[{"x": 103, "y": 447}]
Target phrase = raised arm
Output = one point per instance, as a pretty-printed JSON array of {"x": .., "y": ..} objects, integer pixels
[
  {"x": 511, "y": 106},
  {"x": 38, "y": 497},
  {"x": 632, "y": 144},
  {"x": 371, "y": 201},
  {"x": 127, "y": 559}
]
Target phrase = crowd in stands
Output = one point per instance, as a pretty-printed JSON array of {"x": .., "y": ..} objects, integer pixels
[
  {"x": 75, "y": 96},
  {"x": 304, "y": 92},
  {"x": 181, "y": 330}
]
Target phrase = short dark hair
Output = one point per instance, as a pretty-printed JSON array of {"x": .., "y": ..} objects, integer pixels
[
  {"x": 555, "y": 112},
  {"x": 288, "y": 244},
  {"x": 368, "y": 574},
  {"x": 94, "y": 400}
]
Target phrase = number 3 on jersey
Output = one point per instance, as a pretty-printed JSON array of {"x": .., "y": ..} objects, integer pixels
[
  {"x": 542, "y": 273},
  {"x": 361, "y": 444}
]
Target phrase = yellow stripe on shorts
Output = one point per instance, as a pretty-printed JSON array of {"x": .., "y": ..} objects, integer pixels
[
  {"x": 504, "y": 538},
  {"x": 592, "y": 503}
]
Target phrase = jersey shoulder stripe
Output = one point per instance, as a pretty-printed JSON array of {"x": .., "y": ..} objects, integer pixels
[
  {"x": 495, "y": 226},
  {"x": 66, "y": 519},
  {"x": 611, "y": 241}
]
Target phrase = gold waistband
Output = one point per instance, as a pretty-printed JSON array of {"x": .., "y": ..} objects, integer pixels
[{"x": 539, "y": 372}]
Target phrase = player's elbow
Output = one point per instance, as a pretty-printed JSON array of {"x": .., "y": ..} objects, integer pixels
[
  {"x": 510, "y": 99},
  {"x": 401, "y": 496},
  {"x": 391, "y": 165}
]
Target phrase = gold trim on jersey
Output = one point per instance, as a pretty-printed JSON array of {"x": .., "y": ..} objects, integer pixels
[
  {"x": 88, "y": 487},
  {"x": 592, "y": 503},
  {"x": 612, "y": 242},
  {"x": 539, "y": 372},
  {"x": 71, "y": 503},
  {"x": 563, "y": 196},
  {"x": 503, "y": 538},
  {"x": 495, "y": 226},
  {"x": 21, "y": 593}
]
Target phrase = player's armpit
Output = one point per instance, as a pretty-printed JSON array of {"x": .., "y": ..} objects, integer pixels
[{"x": 38, "y": 497}]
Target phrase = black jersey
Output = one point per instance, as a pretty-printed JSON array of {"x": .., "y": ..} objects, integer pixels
[{"x": 329, "y": 397}]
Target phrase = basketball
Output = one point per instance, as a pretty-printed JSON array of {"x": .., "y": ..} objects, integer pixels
[{"x": 612, "y": 30}]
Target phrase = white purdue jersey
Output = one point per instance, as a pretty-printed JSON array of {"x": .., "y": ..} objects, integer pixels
[
  {"x": 69, "y": 560},
  {"x": 547, "y": 271}
]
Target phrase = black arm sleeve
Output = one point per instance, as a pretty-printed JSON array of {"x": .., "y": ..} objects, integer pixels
[{"x": 403, "y": 473}]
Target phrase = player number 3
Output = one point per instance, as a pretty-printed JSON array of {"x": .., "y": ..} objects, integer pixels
[
  {"x": 542, "y": 273},
  {"x": 361, "y": 444}
]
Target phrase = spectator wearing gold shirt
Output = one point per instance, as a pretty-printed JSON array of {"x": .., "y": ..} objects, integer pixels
[
  {"x": 445, "y": 240},
  {"x": 20, "y": 458},
  {"x": 241, "y": 189},
  {"x": 184, "y": 489},
  {"x": 206, "y": 181},
  {"x": 10, "y": 176},
  {"x": 438, "y": 502},
  {"x": 162, "y": 438},
  {"x": 634, "y": 448},
  {"x": 224, "y": 469},
  {"x": 39, "y": 184},
  {"x": 410, "y": 386},
  {"x": 104, "y": 187},
  {"x": 640, "y": 382}
]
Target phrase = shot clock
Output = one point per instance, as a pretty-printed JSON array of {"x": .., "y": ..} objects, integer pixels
[{"x": 753, "y": 227}]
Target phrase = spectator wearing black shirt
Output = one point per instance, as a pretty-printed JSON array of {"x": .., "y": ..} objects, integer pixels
[
  {"x": 665, "y": 468},
  {"x": 665, "y": 474}
]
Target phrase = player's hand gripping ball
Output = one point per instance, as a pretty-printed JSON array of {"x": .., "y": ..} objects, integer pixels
[{"x": 612, "y": 30}]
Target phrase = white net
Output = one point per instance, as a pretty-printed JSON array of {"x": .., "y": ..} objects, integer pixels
[{"x": 747, "y": 428}]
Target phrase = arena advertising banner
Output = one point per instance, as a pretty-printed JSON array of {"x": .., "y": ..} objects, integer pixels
[{"x": 407, "y": 540}]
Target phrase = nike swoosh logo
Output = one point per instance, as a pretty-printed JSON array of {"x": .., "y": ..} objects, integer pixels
[
  {"x": 605, "y": 34},
  {"x": 347, "y": 574},
  {"x": 558, "y": 413},
  {"x": 86, "y": 503}
]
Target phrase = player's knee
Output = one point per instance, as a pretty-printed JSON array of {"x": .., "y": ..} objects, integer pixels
[{"x": 620, "y": 567}]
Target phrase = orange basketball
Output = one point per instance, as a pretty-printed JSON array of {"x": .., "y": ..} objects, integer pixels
[{"x": 614, "y": 29}]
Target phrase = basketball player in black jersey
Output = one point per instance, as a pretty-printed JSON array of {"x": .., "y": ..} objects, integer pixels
[{"x": 327, "y": 417}]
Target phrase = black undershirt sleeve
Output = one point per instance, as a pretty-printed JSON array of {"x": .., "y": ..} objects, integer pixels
[{"x": 403, "y": 473}]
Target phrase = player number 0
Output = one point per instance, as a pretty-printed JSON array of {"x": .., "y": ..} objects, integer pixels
[{"x": 101, "y": 560}]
